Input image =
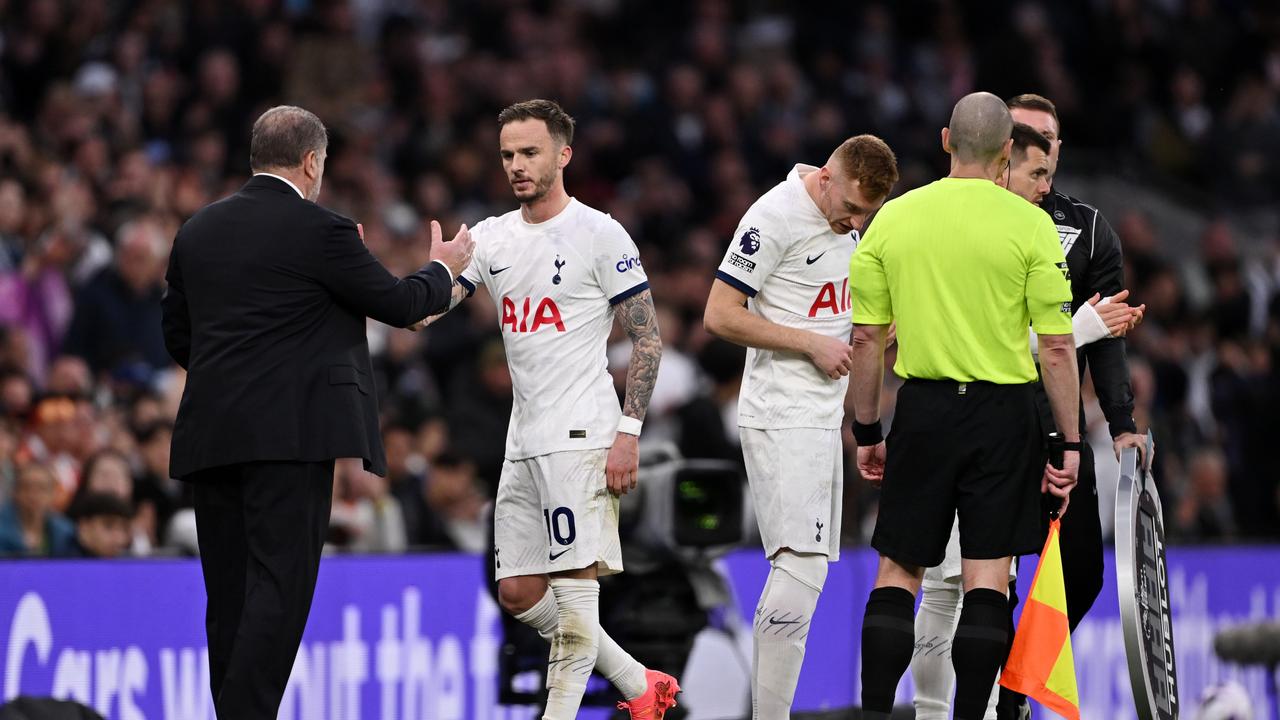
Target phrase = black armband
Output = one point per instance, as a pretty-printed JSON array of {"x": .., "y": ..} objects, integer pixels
[{"x": 868, "y": 434}]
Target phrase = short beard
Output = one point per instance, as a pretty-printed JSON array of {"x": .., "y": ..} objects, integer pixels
[{"x": 541, "y": 187}]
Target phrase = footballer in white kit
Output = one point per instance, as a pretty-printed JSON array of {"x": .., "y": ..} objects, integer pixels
[
  {"x": 555, "y": 285},
  {"x": 782, "y": 290},
  {"x": 559, "y": 273}
]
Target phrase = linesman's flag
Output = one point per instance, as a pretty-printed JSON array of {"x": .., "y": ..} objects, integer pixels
[{"x": 1040, "y": 665}]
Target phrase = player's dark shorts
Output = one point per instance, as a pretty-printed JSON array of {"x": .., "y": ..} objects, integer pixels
[{"x": 971, "y": 448}]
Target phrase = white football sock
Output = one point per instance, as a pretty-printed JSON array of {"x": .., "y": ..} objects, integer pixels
[
  {"x": 626, "y": 674},
  {"x": 931, "y": 669},
  {"x": 574, "y": 646},
  {"x": 781, "y": 626},
  {"x": 544, "y": 616},
  {"x": 624, "y": 671}
]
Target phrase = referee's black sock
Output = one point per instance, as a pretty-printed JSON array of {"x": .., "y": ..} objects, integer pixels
[
  {"x": 979, "y": 648},
  {"x": 888, "y": 639},
  {"x": 1008, "y": 707}
]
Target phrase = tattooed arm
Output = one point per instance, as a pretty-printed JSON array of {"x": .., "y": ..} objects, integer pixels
[
  {"x": 455, "y": 298},
  {"x": 640, "y": 320}
]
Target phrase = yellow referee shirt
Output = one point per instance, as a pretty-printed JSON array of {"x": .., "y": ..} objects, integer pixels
[{"x": 963, "y": 266}]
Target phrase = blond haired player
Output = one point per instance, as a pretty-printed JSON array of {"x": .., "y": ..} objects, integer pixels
[{"x": 782, "y": 291}]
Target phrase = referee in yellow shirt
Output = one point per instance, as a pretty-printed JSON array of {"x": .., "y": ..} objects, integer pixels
[{"x": 962, "y": 266}]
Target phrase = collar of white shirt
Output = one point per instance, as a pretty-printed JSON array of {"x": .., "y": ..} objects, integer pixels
[{"x": 286, "y": 181}]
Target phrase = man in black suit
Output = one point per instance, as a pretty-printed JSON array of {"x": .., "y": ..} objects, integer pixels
[{"x": 266, "y": 306}]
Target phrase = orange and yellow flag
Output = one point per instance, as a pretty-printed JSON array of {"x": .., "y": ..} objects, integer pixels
[{"x": 1040, "y": 665}]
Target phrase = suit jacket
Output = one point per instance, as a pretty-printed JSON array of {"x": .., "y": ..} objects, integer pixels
[{"x": 266, "y": 306}]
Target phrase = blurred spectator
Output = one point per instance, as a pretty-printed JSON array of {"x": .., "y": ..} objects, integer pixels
[
  {"x": 29, "y": 525},
  {"x": 107, "y": 472},
  {"x": 102, "y": 523},
  {"x": 69, "y": 375},
  {"x": 1245, "y": 389},
  {"x": 329, "y": 71},
  {"x": 17, "y": 394},
  {"x": 1204, "y": 511},
  {"x": 454, "y": 494},
  {"x": 54, "y": 440},
  {"x": 407, "y": 477},
  {"x": 117, "y": 320},
  {"x": 407, "y": 389},
  {"x": 366, "y": 517},
  {"x": 709, "y": 422},
  {"x": 8, "y": 467},
  {"x": 479, "y": 411},
  {"x": 157, "y": 496},
  {"x": 36, "y": 298},
  {"x": 1247, "y": 147},
  {"x": 13, "y": 198}
]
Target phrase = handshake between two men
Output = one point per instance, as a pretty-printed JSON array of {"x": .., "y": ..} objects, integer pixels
[{"x": 454, "y": 255}]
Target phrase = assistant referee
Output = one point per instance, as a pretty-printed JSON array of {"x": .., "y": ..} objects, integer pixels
[{"x": 963, "y": 267}]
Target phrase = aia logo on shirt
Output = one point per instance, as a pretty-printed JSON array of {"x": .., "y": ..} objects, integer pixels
[
  {"x": 750, "y": 241},
  {"x": 829, "y": 301},
  {"x": 530, "y": 315}
]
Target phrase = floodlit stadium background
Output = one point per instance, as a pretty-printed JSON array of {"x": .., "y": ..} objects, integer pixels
[{"x": 119, "y": 119}]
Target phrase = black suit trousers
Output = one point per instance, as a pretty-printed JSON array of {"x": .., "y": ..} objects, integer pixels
[{"x": 261, "y": 527}]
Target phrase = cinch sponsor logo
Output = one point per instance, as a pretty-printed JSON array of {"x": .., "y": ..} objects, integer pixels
[
  {"x": 546, "y": 313},
  {"x": 738, "y": 261},
  {"x": 627, "y": 262},
  {"x": 828, "y": 300}
]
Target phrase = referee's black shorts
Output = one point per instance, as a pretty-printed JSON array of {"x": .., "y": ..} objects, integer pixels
[{"x": 972, "y": 448}]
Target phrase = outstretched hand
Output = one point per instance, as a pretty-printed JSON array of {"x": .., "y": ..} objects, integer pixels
[{"x": 456, "y": 254}]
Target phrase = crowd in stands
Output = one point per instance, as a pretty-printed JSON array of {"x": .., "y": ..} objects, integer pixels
[{"x": 118, "y": 120}]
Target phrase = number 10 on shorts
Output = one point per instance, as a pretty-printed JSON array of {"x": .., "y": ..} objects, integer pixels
[{"x": 560, "y": 525}]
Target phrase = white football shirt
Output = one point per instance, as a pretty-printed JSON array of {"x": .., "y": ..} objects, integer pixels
[
  {"x": 795, "y": 272},
  {"x": 555, "y": 284}
]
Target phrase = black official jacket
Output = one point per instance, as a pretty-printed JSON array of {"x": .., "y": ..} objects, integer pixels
[
  {"x": 1097, "y": 266},
  {"x": 266, "y": 306}
]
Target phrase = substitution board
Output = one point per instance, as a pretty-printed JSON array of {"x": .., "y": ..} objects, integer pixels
[{"x": 1143, "y": 585}]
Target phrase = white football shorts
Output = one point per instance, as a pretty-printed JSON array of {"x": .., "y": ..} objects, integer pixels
[
  {"x": 554, "y": 512},
  {"x": 797, "y": 488}
]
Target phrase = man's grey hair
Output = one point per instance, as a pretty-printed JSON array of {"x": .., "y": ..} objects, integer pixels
[
  {"x": 980, "y": 126},
  {"x": 282, "y": 137},
  {"x": 145, "y": 231}
]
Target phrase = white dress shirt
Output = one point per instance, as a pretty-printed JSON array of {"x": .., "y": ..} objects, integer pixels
[{"x": 284, "y": 180}]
